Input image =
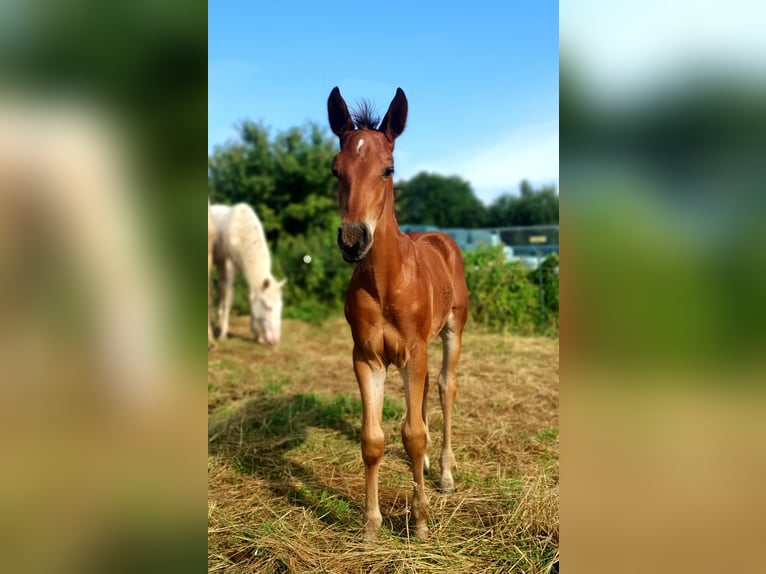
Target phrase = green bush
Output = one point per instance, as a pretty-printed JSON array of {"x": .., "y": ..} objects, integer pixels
[
  {"x": 317, "y": 289},
  {"x": 314, "y": 291},
  {"x": 505, "y": 296},
  {"x": 549, "y": 269}
]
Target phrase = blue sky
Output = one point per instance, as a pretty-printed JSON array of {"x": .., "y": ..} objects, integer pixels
[{"x": 481, "y": 78}]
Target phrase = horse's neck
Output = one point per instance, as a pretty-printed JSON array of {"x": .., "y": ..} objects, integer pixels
[
  {"x": 384, "y": 261},
  {"x": 254, "y": 262}
]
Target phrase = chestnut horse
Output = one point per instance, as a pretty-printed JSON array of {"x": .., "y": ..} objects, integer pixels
[{"x": 405, "y": 290}]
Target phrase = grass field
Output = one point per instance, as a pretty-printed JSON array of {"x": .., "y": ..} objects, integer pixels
[{"x": 286, "y": 479}]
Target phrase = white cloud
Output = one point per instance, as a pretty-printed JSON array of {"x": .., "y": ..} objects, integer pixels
[
  {"x": 624, "y": 47},
  {"x": 531, "y": 152}
]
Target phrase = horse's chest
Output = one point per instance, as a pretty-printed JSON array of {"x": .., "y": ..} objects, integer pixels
[{"x": 390, "y": 330}]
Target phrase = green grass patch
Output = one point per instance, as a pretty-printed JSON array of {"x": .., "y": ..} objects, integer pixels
[
  {"x": 311, "y": 311},
  {"x": 392, "y": 409},
  {"x": 548, "y": 435},
  {"x": 275, "y": 385}
]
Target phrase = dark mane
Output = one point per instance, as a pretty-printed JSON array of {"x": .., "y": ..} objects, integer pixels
[{"x": 364, "y": 116}]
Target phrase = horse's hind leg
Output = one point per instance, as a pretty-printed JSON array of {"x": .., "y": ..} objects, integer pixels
[
  {"x": 426, "y": 460},
  {"x": 226, "y": 292},
  {"x": 210, "y": 338},
  {"x": 451, "y": 337}
]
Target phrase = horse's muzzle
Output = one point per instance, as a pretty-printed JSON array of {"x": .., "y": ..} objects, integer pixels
[{"x": 354, "y": 240}]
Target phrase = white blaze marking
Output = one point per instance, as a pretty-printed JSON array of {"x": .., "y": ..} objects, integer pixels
[{"x": 359, "y": 145}]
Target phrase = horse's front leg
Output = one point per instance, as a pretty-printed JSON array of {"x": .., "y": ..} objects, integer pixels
[
  {"x": 371, "y": 376},
  {"x": 415, "y": 432}
]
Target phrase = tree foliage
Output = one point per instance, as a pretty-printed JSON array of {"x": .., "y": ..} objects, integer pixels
[
  {"x": 530, "y": 207},
  {"x": 288, "y": 181},
  {"x": 432, "y": 199}
]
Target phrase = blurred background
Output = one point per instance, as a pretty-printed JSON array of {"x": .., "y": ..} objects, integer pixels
[
  {"x": 663, "y": 140},
  {"x": 102, "y": 130}
]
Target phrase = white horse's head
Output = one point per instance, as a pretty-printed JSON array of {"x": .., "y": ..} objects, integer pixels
[{"x": 266, "y": 311}]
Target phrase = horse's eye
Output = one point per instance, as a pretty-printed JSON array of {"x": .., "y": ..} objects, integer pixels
[
  {"x": 388, "y": 171},
  {"x": 335, "y": 172}
]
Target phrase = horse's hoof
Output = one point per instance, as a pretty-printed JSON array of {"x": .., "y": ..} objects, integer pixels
[
  {"x": 370, "y": 534},
  {"x": 421, "y": 532},
  {"x": 372, "y": 525},
  {"x": 447, "y": 490}
]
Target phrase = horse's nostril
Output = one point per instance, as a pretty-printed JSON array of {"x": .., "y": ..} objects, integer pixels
[
  {"x": 353, "y": 234},
  {"x": 354, "y": 240}
]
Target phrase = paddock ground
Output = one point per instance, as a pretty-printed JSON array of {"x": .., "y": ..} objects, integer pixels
[{"x": 286, "y": 479}]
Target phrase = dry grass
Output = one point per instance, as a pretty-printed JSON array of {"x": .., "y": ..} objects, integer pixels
[{"x": 285, "y": 476}]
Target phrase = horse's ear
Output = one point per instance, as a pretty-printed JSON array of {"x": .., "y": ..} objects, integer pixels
[
  {"x": 281, "y": 284},
  {"x": 337, "y": 112},
  {"x": 396, "y": 117}
]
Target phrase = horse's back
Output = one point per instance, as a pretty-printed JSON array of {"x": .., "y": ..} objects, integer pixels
[
  {"x": 237, "y": 221},
  {"x": 435, "y": 245},
  {"x": 227, "y": 216},
  {"x": 239, "y": 234}
]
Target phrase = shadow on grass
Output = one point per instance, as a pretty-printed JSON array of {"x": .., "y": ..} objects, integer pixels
[
  {"x": 257, "y": 437},
  {"x": 246, "y": 338}
]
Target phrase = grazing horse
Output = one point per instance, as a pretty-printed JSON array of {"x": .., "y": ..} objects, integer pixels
[
  {"x": 405, "y": 290},
  {"x": 210, "y": 244},
  {"x": 240, "y": 245}
]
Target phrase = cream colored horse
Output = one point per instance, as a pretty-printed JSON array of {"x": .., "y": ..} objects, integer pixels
[{"x": 240, "y": 246}]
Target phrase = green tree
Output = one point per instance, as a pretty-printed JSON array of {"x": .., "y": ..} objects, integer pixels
[
  {"x": 287, "y": 179},
  {"x": 432, "y": 199},
  {"x": 530, "y": 207}
]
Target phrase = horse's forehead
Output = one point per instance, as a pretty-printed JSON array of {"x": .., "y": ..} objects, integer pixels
[{"x": 363, "y": 142}]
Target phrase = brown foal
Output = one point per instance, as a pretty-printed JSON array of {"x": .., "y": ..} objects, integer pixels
[{"x": 405, "y": 290}]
